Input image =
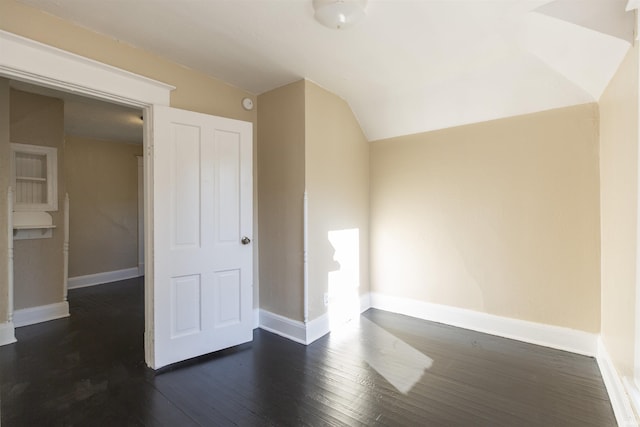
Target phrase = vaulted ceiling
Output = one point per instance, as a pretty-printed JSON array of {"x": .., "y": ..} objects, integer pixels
[{"x": 410, "y": 66}]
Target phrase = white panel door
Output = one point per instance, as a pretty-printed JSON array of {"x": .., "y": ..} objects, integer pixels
[{"x": 202, "y": 261}]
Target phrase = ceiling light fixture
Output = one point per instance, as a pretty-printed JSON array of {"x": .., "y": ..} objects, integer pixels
[{"x": 339, "y": 14}]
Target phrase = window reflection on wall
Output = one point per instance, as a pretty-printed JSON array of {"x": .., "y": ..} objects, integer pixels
[{"x": 344, "y": 283}]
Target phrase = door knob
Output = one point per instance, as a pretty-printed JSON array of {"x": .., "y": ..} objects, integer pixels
[{"x": 245, "y": 240}]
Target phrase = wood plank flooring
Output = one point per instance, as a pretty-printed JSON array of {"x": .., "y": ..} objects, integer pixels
[{"x": 88, "y": 370}]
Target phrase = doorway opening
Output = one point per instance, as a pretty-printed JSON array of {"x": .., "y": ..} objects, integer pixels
[
  {"x": 99, "y": 147},
  {"x": 182, "y": 145},
  {"x": 36, "y": 63}
]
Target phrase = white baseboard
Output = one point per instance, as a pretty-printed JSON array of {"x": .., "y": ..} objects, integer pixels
[
  {"x": 7, "y": 333},
  {"x": 317, "y": 328},
  {"x": 105, "y": 277},
  {"x": 633, "y": 391},
  {"x": 295, "y": 330},
  {"x": 141, "y": 269},
  {"x": 43, "y": 313},
  {"x": 560, "y": 338},
  {"x": 298, "y": 331},
  {"x": 617, "y": 394},
  {"x": 283, "y": 326},
  {"x": 535, "y": 333},
  {"x": 365, "y": 302}
]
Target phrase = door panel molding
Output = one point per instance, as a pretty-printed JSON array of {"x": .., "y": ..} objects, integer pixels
[{"x": 203, "y": 196}]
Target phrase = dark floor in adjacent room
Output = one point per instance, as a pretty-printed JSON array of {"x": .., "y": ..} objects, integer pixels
[{"x": 88, "y": 370}]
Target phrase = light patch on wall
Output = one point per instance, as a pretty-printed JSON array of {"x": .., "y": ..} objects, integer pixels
[
  {"x": 343, "y": 283},
  {"x": 399, "y": 363}
]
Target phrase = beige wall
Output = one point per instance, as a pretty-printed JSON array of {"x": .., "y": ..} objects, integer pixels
[
  {"x": 337, "y": 183},
  {"x": 281, "y": 166},
  {"x": 5, "y": 178},
  {"x": 101, "y": 179},
  {"x": 619, "y": 198},
  {"x": 38, "y": 263},
  {"x": 309, "y": 138},
  {"x": 499, "y": 217}
]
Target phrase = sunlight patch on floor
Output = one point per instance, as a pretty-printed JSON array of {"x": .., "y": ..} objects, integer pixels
[{"x": 399, "y": 363}]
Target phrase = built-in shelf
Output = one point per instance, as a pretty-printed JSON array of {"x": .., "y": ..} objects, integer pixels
[
  {"x": 32, "y": 225},
  {"x": 30, "y": 178},
  {"x": 34, "y": 177}
]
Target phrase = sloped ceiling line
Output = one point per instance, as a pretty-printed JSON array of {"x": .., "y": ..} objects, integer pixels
[{"x": 596, "y": 15}]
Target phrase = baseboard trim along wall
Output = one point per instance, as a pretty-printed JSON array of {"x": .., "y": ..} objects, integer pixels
[
  {"x": 7, "y": 333},
  {"x": 317, "y": 328},
  {"x": 298, "y": 331},
  {"x": 105, "y": 277},
  {"x": 294, "y": 330},
  {"x": 617, "y": 394},
  {"x": 535, "y": 333},
  {"x": 42, "y": 313},
  {"x": 557, "y": 337},
  {"x": 365, "y": 302},
  {"x": 634, "y": 394}
]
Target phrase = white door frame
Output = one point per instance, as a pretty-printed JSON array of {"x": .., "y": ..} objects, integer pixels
[
  {"x": 633, "y": 384},
  {"x": 36, "y": 63},
  {"x": 140, "y": 160}
]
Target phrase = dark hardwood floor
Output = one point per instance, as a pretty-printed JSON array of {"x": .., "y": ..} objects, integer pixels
[{"x": 88, "y": 370}]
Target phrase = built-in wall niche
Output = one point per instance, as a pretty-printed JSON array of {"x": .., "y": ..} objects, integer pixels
[{"x": 34, "y": 177}]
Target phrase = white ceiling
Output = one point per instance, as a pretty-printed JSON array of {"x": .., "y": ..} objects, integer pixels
[{"x": 410, "y": 66}]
